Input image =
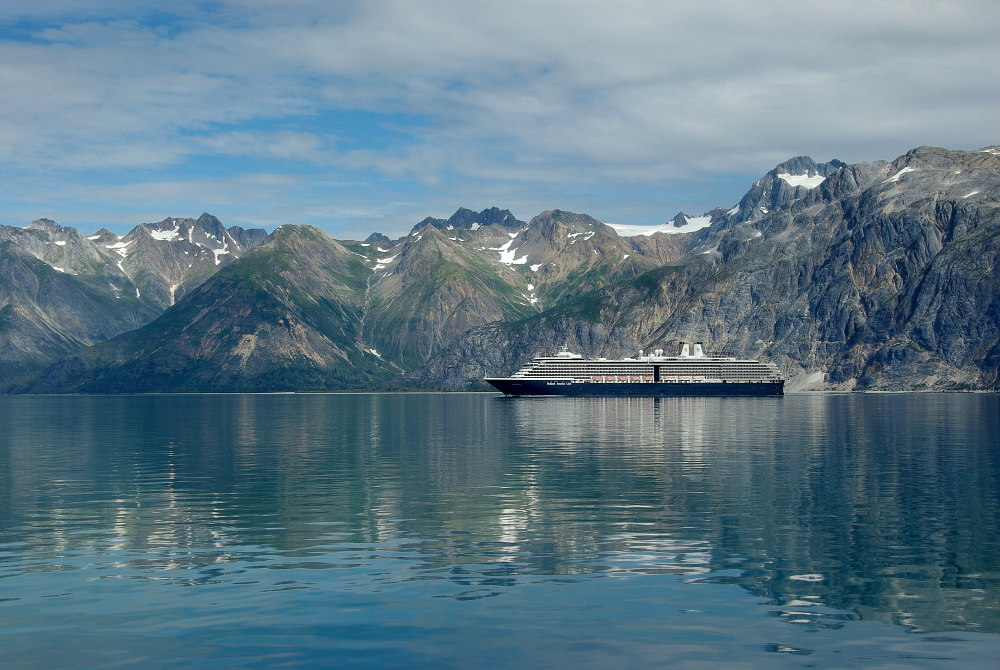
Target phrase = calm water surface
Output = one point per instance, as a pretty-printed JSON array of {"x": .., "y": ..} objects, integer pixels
[{"x": 436, "y": 531}]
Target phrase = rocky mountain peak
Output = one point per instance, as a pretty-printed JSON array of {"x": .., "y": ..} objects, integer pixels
[
  {"x": 378, "y": 238},
  {"x": 571, "y": 221},
  {"x": 467, "y": 219},
  {"x": 805, "y": 166},
  {"x": 44, "y": 224},
  {"x": 64, "y": 249},
  {"x": 103, "y": 236},
  {"x": 211, "y": 224},
  {"x": 936, "y": 158},
  {"x": 680, "y": 220},
  {"x": 785, "y": 183},
  {"x": 167, "y": 258}
]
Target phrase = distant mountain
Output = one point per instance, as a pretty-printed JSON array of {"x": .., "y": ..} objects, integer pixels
[
  {"x": 398, "y": 304},
  {"x": 448, "y": 276},
  {"x": 871, "y": 276},
  {"x": 876, "y": 275},
  {"x": 165, "y": 260},
  {"x": 58, "y": 292},
  {"x": 61, "y": 290},
  {"x": 467, "y": 219},
  {"x": 786, "y": 183},
  {"x": 286, "y": 317},
  {"x": 431, "y": 288}
]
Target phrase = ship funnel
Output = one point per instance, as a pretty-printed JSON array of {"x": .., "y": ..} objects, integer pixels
[
  {"x": 698, "y": 351},
  {"x": 685, "y": 350}
]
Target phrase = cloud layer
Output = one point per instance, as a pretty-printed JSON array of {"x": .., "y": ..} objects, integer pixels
[{"x": 363, "y": 114}]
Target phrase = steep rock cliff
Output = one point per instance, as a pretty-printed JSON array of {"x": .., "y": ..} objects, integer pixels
[
  {"x": 880, "y": 276},
  {"x": 61, "y": 290}
]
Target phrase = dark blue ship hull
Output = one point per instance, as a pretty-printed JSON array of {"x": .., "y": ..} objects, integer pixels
[{"x": 520, "y": 387}]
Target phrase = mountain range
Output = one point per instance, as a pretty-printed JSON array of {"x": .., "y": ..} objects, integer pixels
[{"x": 871, "y": 276}]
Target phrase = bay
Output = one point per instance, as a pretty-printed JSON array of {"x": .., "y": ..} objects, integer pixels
[{"x": 458, "y": 530}]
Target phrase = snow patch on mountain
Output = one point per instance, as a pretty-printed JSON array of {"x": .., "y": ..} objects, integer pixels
[
  {"x": 220, "y": 252},
  {"x": 120, "y": 248},
  {"x": 508, "y": 255},
  {"x": 692, "y": 223},
  {"x": 801, "y": 179},
  {"x": 165, "y": 235},
  {"x": 899, "y": 174}
]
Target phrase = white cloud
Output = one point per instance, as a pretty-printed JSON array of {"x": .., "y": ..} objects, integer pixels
[{"x": 529, "y": 94}]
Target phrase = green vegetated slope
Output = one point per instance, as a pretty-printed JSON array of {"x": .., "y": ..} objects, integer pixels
[
  {"x": 876, "y": 276},
  {"x": 285, "y": 317},
  {"x": 437, "y": 290}
]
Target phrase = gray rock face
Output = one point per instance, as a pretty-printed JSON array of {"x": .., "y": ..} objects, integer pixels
[
  {"x": 61, "y": 290},
  {"x": 58, "y": 292},
  {"x": 466, "y": 219},
  {"x": 165, "y": 260},
  {"x": 877, "y": 275},
  {"x": 448, "y": 276},
  {"x": 432, "y": 287},
  {"x": 378, "y": 238},
  {"x": 882, "y": 276},
  {"x": 786, "y": 183}
]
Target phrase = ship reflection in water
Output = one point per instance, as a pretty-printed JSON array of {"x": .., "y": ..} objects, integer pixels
[{"x": 420, "y": 530}]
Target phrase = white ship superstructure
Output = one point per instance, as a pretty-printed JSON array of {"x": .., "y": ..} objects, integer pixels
[{"x": 691, "y": 372}]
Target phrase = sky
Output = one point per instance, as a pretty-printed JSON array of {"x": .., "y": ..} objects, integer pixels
[{"x": 369, "y": 116}]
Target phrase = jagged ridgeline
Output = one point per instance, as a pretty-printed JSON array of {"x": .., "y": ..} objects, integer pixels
[
  {"x": 869, "y": 276},
  {"x": 872, "y": 276},
  {"x": 61, "y": 290},
  {"x": 304, "y": 312},
  {"x": 285, "y": 317}
]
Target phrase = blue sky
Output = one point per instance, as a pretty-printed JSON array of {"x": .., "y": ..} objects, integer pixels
[{"x": 364, "y": 116}]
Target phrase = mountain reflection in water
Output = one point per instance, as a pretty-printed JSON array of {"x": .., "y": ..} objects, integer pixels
[
  {"x": 831, "y": 508},
  {"x": 887, "y": 507}
]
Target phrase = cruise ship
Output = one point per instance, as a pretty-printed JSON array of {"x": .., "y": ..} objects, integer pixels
[{"x": 690, "y": 373}]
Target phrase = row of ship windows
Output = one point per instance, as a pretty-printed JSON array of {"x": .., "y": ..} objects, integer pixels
[
  {"x": 664, "y": 370},
  {"x": 662, "y": 376},
  {"x": 623, "y": 366}
]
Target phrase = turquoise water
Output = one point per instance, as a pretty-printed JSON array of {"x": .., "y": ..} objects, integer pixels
[{"x": 461, "y": 530}]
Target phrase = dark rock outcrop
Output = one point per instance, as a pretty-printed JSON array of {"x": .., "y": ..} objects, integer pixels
[{"x": 882, "y": 276}]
